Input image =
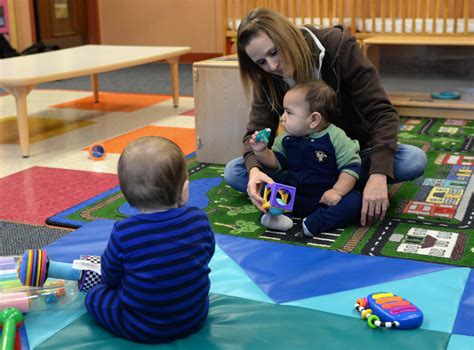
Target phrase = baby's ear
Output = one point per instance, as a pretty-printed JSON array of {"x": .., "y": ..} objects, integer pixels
[
  {"x": 315, "y": 119},
  {"x": 184, "y": 197}
]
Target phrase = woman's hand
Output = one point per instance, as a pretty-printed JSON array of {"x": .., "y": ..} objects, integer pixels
[
  {"x": 374, "y": 199},
  {"x": 256, "y": 179}
]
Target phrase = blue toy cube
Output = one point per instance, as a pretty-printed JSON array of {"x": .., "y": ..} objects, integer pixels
[{"x": 278, "y": 198}]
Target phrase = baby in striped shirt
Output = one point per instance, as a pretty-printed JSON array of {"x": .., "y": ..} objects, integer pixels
[{"x": 155, "y": 273}]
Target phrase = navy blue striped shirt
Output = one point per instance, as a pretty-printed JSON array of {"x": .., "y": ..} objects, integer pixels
[{"x": 158, "y": 265}]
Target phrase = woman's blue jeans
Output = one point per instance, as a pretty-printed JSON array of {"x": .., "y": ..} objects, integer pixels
[{"x": 409, "y": 163}]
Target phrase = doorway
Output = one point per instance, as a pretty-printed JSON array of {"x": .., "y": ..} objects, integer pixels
[{"x": 66, "y": 23}]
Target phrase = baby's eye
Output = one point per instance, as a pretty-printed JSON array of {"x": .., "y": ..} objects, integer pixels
[{"x": 274, "y": 53}]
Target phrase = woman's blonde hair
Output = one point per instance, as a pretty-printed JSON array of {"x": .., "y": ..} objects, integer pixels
[{"x": 289, "y": 43}]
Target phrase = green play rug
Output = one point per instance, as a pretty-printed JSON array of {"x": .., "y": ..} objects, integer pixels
[{"x": 429, "y": 219}]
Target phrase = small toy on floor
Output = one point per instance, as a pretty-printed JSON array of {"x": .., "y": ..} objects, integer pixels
[
  {"x": 389, "y": 310},
  {"x": 35, "y": 267},
  {"x": 97, "y": 151}
]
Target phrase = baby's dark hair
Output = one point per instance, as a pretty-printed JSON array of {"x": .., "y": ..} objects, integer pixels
[
  {"x": 152, "y": 171},
  {"x": 320, "y": 98}
]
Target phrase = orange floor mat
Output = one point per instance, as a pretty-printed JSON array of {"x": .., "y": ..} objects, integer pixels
[
  {"x": 115, "y": 102},
  {"x": 39, "y": 128},
  {"x": 185, "y": 138}
]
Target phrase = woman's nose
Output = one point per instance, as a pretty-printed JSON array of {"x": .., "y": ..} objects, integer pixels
[{"x": 274, "y": 65}]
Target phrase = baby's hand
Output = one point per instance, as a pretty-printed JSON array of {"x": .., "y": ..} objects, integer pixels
[
  {"x": 330, "y": 197},
  {"x": 256, "y": 143}
]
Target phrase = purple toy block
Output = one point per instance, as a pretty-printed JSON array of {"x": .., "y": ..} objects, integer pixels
[{"x": 275, "y": 189}]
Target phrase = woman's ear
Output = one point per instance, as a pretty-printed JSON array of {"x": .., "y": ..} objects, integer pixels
[
  {"x": 184, "y": 197},
  {"x": 315, "y": 120}
]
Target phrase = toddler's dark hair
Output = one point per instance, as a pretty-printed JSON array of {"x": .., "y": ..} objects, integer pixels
[{"x": 320, "y": 98}]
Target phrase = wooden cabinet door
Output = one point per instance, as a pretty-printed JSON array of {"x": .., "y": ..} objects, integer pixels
[
  {"x": 62, "y": 22},
  {"x": 221, "y": 110}
]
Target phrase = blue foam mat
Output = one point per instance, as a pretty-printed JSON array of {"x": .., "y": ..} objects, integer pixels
[
  {"x": 90, "y": 239},
  {"x": 43, "y": 324},
  {"x": 460, "y": 342},
  {"x": 295, "y": 272},
  {"x": 258, "y": 268},
  {"x": 436, "y": 294},
  {"x": 289, "y": 273},
  {"x": 228, "y": 278},
  {"x": 465, "y": 320}
]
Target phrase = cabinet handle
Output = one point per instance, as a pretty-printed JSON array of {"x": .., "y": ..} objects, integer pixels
[
  {"x": 198, "y": 142},
  {"x": 195, "y": 74}
]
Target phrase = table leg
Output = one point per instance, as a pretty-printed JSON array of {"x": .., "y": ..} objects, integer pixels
[
  {"x": 20, "y": 93},
  {"x": 95, "y": 86},
  {"x": 173, "y": 62}
]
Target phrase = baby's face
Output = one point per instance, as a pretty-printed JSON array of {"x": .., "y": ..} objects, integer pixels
[{"x": 297, "y": 118}]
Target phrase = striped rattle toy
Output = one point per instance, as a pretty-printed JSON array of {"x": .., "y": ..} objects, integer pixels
[
  {"x": 389, "y": 310},
  {"x": 35, "y": 267}
]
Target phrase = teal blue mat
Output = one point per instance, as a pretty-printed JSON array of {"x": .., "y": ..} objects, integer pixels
[{"x": 236, "y": 323}]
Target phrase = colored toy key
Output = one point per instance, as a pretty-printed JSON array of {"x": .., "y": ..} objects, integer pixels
[
  {"x": 263, "y": 135},
  {"x": 389, "y": 310}
]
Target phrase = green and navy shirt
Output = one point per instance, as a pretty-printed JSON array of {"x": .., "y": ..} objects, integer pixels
[{"x": 314, "y": 162}]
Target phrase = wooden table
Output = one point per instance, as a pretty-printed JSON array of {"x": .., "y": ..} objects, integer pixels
[{"x": 19, "y": 75}]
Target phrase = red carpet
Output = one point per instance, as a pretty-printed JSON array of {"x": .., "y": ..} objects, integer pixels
[{"x": 32, "y": 195}]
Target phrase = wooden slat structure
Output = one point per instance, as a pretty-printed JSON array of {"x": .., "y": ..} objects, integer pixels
[{"x": 365, "y": 18}]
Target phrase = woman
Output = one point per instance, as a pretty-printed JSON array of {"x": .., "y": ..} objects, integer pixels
[{"x": 274, "y": 54}]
